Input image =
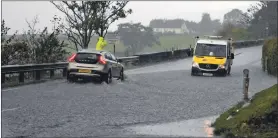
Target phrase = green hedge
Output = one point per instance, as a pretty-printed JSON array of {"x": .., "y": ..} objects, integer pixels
[{"x": 270, "y": 56}]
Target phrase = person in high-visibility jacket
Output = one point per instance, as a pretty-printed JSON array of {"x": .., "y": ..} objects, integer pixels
[{"x": 101, "y": 43}]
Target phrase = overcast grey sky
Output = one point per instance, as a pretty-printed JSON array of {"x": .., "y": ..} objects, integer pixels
[{"x": 16, "y": 12}]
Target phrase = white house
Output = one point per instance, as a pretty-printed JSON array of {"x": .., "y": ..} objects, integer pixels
[{"x": 176, "y": 26}]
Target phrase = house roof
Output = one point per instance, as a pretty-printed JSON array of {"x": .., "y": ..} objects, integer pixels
[{"x": 162, "y": 23}]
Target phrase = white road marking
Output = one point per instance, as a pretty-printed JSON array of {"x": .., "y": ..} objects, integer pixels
[
  {"x": 11, "y": 109},
  {"x": 237, "y": 54},
  {"x": 3, "y": 90}
]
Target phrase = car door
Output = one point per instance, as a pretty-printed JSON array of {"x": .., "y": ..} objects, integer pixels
[
  {"x": 113, "y": 63},
  {"x": 118, "y": 67}
]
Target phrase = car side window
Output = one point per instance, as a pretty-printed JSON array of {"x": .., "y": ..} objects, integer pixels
[
  {"x": 113, "y": 57},
  {"x": 108, "y": 56}
]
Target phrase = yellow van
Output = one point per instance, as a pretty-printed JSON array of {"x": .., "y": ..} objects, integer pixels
[{"x": 212, "y": 56}]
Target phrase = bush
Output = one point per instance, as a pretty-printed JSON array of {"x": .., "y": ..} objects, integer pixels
[
  {"x": 15, "y": 53},
  {"x": 270, "y": 56},
  {"x": 49, "y": 49}
]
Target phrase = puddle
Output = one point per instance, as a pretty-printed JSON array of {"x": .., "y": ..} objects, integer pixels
[{"x": 189, "y": 128}]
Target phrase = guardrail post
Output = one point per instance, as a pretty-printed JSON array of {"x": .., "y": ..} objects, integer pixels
[
  {"x": 114, "y": 48},
  {"x": 51, "y": 73},
  {"x": 38, "y": 74},
  {"x": 21, "y": 77},
  {"x": 172, "y": 52},
  {"x": 64, "y": 72},
  {"x": 190, "y": 50},
  {"x": 3, "y": 78},
  {"x": 245, "y": 84}
]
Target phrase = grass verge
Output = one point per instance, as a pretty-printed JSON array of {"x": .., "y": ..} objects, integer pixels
[{"x": 258, "y": 119}]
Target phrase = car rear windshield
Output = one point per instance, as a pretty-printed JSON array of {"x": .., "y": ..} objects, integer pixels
[
  {"x": 210, "y": 50},
  {"x": 89, "y": 58}
]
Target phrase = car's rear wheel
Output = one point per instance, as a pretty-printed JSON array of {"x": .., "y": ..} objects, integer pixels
[
  {"x": 71, "y": 78},
  {"x": 107, "y": 77}
]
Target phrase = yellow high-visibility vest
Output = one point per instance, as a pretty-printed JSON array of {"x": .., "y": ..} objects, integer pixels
[{"x": 101, "y": 43}]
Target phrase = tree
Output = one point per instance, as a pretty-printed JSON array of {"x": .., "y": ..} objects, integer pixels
[
  {"x": 45, "y": 47},
  {"x": 110, "y": 11},
  {"x": 4, "y": 32},
  {"x": 235, "y": 16},
  {"x": 136, "y": 36},
  {"x": 192, "y": 26},
  {"x": 226, "y": 30},
  {"x": 215, "y": 25},
  {"x": 230, "y": 30},
  {"x": 12, "y": 52},
  {"x": 205, "y": 24},
  {"x": 84, "y": 18},
  {"x": 80, "y": 17},
  {"x": 262, "y": 18}
]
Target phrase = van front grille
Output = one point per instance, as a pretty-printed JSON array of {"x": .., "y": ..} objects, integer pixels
[{"x": 208, "y": 66}]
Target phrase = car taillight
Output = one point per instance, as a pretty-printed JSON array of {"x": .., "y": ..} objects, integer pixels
[
  {"x": 71, "y": 58},
  {"x": 101, "y": 60}
]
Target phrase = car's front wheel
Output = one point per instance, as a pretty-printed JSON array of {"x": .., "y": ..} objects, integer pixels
[{"x": 122, "y": 76}]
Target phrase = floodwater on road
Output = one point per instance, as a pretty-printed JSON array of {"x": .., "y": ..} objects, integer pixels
[
  {"x": 162, "y": 99},
  {"x": 200, "y": 127}
]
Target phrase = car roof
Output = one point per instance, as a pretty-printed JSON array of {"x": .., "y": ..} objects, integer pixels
[
  {"x": 212, "y": 41},
  {"x": 92, "y": 51}
]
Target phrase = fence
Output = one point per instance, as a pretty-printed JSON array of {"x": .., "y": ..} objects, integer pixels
[{"x": 39, "y": 72}]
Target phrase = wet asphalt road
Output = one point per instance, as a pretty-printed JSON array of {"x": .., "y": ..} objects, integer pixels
[{"x": 156, "y": 94}]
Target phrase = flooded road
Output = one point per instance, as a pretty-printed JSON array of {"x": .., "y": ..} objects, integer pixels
[
  {"x": 162, "y": 100},
  {"x": 194, "y": 128}
]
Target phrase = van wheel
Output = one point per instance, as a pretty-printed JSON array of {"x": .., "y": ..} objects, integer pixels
[
  {"x": 229, "y": 70},
  {"x": 192, "y": 73},
  {"x": 225, "y": 74},
  {"x": 107, "y": 77}
]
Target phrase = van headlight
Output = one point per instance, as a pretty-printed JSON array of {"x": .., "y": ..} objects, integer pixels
[
  {"x": 222, "y": 66},
  {"x": 194, "y": 64}
]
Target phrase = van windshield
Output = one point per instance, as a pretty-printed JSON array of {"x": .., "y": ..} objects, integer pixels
[{"x": 210, "y": 50}]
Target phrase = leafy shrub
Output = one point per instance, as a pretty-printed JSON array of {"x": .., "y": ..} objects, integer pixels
[
  {"x": 15, "y": 53},
  {"x": 270, "y": 56},
  {"x": 49, "y": 49}
]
